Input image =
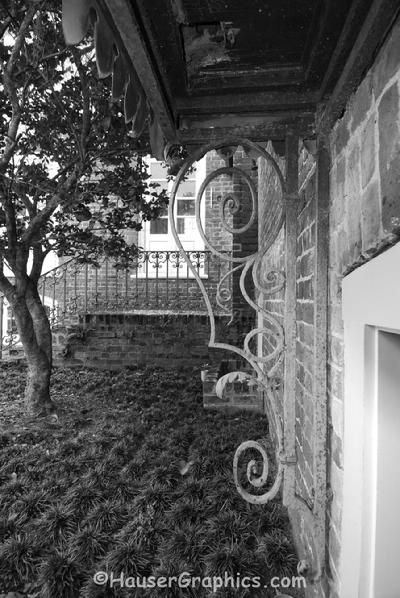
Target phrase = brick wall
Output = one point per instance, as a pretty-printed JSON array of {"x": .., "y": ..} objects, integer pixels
[
  {"x": 364, "y": 219},
  {"x": 113, "y": 341},
  {"x": 242, "y": 244},
  {"x": 305, "y": 265},
  {"x": 274, "y": 259},
  {"x": 220, "y": 238}
]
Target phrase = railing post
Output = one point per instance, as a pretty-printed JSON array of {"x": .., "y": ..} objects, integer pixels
[
  {"x": 126, "y": 287},
  {"x": 86, "y": 287},
  {"x": 65, "y": 291},
  {"x": 96, "y": 286},
  {"x": 136, "y": 276},
  {"x": 116, "y": 286},
  {"x": 106, "y": 283},
  {"x": 76, "y": 289},
  {"x": 157, "y": 264},
  {"x": 167, "y": 278},
  {"x": 190, "y": 254},
  {"x": 146, "y": 257},
  {"x": 1, "y": 325},
  {"x": 178, "y": 255},
  {"x": 53, "y": 301}
]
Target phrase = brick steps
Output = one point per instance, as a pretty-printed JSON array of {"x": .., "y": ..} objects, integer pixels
[{"x": 237, "y": 396}]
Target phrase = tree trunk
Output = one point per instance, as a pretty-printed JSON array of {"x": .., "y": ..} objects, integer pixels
[
  {"x": 37, "y": 390},
  {"x": 35, "y": 334}
]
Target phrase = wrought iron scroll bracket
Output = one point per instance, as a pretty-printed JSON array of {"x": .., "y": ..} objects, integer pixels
[
  {"x": 251, "y": 469},
  {"x": 265, "y": 366}
]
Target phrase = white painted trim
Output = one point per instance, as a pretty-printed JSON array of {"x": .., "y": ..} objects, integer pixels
[{"x": 371, "y": 302}]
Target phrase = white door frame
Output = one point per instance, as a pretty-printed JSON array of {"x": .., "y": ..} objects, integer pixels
[{"x": 371, "y": 302}]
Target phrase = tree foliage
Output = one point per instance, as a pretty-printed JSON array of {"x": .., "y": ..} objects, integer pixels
[
  {"x": 72, "y": 180},
  {"x": 71, "y": 177}
]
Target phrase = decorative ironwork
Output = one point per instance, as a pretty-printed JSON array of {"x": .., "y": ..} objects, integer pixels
[
  {"x": 158, "y": 280},
  {"x": 264, "y": 365}
]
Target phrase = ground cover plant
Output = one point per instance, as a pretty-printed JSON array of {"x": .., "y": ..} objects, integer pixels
[{"x": 134, "y": 476}]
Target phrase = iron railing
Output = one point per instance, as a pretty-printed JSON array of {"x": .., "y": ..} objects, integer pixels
[{"x": 157, "y": 281}]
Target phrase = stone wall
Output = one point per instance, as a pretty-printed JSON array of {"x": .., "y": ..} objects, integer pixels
[
  {"x": 364, "y": 220},
  {"x": 364, "y": 216}
]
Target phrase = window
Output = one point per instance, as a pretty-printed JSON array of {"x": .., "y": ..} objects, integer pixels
[
  {"x": 180, "y": 226},
  {"x": 186, "y": 207},
  {"x": 187, "y": 189},
  {"x": 159, "y": 226}
]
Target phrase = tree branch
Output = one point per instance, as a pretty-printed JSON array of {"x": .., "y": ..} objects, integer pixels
[
  {"x": 37, "y": 264},
  {"x": 86, "y": 121},
  {"x": 11, "y": 89},
  {"x": 43, "y": 216},
  {"x": 11, "y": 225}
]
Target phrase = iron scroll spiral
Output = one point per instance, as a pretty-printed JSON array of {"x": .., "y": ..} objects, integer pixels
[
  {"x": 255, "y": 478},
  {"x": 256, "y": 473}
]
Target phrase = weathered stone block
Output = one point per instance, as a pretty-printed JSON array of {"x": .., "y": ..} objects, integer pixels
[
  {"x": 361, "y": 102},
  {"x": 305, "y": 312},
  {"x": 305, "y": 334},
  {"x": 335, "y": 381},
  {"x": 338, "y": 195},
  {"x": 334, "y": 547},
  {"x": 336, "y": 325},
  {"x": 336, "y": 350},
  {"x": 389, "y": 157},
  {"x": 343, "y": 251},
  {"x": 368, "y": 151},
  {"x": 336, "y": 483},
  {"x": 341, "y": 134},
  {"x": 371, "y": 217},
  {"x": 336, "y": 414},
  {"x": 353, "y": 204},
  {"x": 336, "y": 450}
]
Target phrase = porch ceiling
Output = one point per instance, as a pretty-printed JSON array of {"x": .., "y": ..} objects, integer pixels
[{"x": 209, "y": 68}]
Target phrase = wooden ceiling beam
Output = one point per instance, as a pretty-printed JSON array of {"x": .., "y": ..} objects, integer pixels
[
  {"x": 262, "y": 101},
  {"x": 259, "y": 129},
  {"x": 243, "y": 78}
]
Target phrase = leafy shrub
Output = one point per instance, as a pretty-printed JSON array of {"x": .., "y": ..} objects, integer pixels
[
  {"x": 142, "y": 485},
  {"x": 88, "y": 545},
  {"x": 129, "y": 557},
  {"x": 18, "y": 559},
  {"x": 60, "y": 576}
]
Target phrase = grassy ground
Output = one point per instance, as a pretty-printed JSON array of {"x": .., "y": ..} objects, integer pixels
[{"x": 134, "y": 477}]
